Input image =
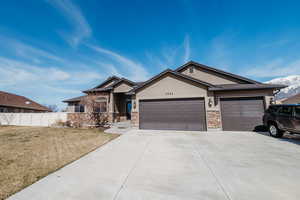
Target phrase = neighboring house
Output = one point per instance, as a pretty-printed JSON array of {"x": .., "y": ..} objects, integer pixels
[
  {"x": 12, "y": 103},
  {"x": 291, "y": 100},
  {"x": 191, "y": 97}
]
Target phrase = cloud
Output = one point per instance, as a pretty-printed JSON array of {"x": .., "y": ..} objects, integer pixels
[
  {"x": 275, "y": 68},
  {"x": 187, "y": 49},
  {"x": 171, "y": 55},
  {"x": 135, "y": 70},
  {"x": 81, "y": 28},
  {"x": 29, "y": 52},
  {"x": 220, "y": 54}
]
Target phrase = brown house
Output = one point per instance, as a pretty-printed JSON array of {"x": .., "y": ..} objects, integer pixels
[
  {"x": 191, "y": 97},
  {"x": 291, "y": 100},
  {"x": 12, "y": 103}
]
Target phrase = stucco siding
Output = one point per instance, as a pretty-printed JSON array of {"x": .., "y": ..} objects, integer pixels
[
  {"x": 123, "y": 87},
  {"x": 168, "y": 87},
  {"x": 209, "y": 77}
]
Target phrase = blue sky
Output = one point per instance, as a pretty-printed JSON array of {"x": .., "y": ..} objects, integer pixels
[{"x": 53, "y": 49}]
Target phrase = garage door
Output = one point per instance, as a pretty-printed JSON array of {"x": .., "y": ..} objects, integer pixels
[
  {"x": 176, "y": 114},
  {"x": 241, "y": 114}
]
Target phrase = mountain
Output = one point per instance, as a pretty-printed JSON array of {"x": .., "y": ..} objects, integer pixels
[{"x": 293, "y": 88}]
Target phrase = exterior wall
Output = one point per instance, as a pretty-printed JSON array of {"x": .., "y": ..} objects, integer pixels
[
  {"x": 77, "y": 120},
  {"x": 170, "y": 87},
  {"x": 123, "y": 87},
  {"x": 210, "y": 77},
  {"x": 167, "y": 87},
  {"x": 134, "y": 119}
]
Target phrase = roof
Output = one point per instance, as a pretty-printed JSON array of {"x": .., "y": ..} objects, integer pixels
[
  {"x": 227, "y": 87},
  {"x": 17, "y": 101},
  {"x": 110, "y": 87},
  {"x": 217, "y": 71},
  {"x": 111, "y": 78},
  {"x": 98, "y": 89},
  {"x": 75, "y": 99},
  {"x": 173, "y": 73}
]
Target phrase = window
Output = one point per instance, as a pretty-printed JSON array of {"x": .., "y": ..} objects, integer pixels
[
  {"x": 191, "y": 69},
  {"x": 286, "y": 111},
  {"x": 2, "y": 110},
  {"x": 79, "y": 108},
  {"x": 101, "y": 107},
  {"x": 297, "y": 111}
]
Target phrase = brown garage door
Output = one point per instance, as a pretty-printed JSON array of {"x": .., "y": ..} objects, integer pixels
[
  {"x": 241, "y": 114},
  {"x": 176, "y": 114}
]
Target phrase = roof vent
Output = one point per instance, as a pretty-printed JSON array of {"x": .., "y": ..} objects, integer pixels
[{"x": 27, "y": 102}]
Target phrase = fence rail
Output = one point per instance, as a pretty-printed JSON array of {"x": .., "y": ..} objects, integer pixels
[{"x": 32, "y": 119}]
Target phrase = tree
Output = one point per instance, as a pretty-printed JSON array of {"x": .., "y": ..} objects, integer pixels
[
  {"x": 95, "y": 114},
  {"x": 53, "y": 107}
]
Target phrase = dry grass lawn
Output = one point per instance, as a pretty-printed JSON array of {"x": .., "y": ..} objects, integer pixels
[{"x": 29, "y": 153}]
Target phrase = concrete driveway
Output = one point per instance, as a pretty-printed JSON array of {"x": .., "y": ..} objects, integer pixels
[{"x": 176, "y": 165}]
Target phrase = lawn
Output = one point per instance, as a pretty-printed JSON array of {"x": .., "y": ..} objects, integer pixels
[{"x": 29, "y": 153}]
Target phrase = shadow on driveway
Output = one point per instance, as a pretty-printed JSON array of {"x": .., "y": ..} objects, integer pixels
[{"x": 292, "y": 138}]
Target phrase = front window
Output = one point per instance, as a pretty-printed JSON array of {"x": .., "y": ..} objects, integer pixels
[
  {"x": 100, "y": 107},
  {"x": 79, "y": 108}
]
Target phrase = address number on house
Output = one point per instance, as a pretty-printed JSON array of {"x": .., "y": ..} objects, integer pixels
[{"x": 169, "y": 93}]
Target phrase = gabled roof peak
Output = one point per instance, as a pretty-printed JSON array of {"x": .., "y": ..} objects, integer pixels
[{"x": 218, "y": 71}]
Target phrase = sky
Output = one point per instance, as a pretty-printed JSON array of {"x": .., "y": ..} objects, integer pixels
[{"x": 51, "y": 50}]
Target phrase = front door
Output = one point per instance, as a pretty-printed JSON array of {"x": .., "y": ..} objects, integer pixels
[{"x": 128, "y": 109}]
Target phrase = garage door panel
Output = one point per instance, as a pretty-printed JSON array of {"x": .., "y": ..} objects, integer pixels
[
  {"x": 242, "y": 114},
  {"x": 178, "y": 114}
]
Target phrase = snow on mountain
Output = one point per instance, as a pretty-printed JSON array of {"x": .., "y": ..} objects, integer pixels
[{"x": 293, "y": 88}]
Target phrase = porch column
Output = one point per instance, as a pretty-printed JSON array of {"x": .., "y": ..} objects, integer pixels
[{"x": 111, "y": 109}]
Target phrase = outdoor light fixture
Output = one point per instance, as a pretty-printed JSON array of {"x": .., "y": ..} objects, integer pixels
[
  {"x": 134, "y": 104},
  {"x": 210, "y": 102}
]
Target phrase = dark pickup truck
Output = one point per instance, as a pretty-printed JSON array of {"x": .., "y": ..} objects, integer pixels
[{"x": 282, "y": 118}]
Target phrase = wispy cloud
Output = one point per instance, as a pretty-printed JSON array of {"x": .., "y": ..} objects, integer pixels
[
  {"x": 187, "y": 49},
  {"x": 81, "y": 28},
  {"x": 274, "y": 68},
  {"x": 136, "y": 71},
  {"x": 171, "y": 55},
  {"x": 19, "y": 48},
  {"x": 219, "y": 53},
  {"x": 276, "y": 43}
]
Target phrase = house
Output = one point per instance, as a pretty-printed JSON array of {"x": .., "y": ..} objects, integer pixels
[
  {"x": 12, "y": 103},
  {"x": 191, "y": 97},
  {"x": 291, "y": 100}
]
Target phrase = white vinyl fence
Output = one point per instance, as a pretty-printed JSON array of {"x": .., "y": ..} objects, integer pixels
[{"x": 32, "y": 119}]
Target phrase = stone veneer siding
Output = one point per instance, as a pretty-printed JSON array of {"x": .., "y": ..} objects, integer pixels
[
  {"x": 135, "y": 119},
  {"x": 213, "y": 119},
  {"x": 77, "y": 120}
]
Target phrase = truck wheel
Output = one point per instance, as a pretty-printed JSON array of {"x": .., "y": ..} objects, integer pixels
[{"x": 275, "y": 131}]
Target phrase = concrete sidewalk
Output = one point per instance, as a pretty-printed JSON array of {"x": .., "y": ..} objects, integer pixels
[{"x": 168, "y": 165}]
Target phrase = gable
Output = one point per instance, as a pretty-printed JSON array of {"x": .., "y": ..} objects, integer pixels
[
  {"x": 210, "y": 77},
  {"x": 108, "y": 83},
  {"x": 170, "y": 86},
  {"x": 123, "y": 87}
]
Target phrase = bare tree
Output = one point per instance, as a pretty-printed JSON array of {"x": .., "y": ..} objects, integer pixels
[
  {"x": 53, "y": 107},
  {"x": 95, "y": 111}
]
